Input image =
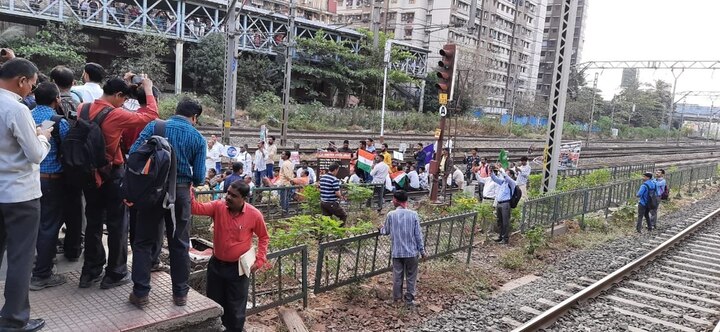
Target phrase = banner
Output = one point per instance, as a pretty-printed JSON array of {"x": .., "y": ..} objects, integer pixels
[
  {"x": 570, "y": 154},
  {"x": 327, "y": 158}
]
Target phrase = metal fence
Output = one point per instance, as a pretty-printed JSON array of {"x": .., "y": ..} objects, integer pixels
[
  {"x": 285, "y": 281},
  {"x": 345, "y": 261},
  {"x": 550, "y": 210},
  {"x": 617, "y": 172}
]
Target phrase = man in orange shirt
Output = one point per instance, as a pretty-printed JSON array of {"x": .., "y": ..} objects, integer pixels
[
  {"x": 235, "y": 221},
  {"x": 106, "y": 198}
]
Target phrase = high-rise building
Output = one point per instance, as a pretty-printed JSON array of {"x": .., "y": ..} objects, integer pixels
[
  {"x": 491, "y": 65},
  {"x": 547, "y": 53},
  {"x": 315, "y": 10}
]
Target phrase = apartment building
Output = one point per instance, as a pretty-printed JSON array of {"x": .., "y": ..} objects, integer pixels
[
  {"x": 323, "y": 11},
  {"x": 547, "y": 53},
  {"x": 491, "y": 66}
]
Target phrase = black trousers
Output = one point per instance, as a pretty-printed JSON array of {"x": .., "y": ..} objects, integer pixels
[
  {"x": 503, "y": 220},
  {"x": 19, "y": 223},
  {"x": 643, "y": 212},
  {"x": 107, "y": 200},
  {"x": 51, "y": 212},
  {"x": 148, "y": 227},
  {"x": 157, "y": 250},
  {"x": 74, "y": 220},
  {"x": 230, "y": 291}
]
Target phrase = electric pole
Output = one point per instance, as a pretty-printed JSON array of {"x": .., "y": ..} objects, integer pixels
[
  {"x": 375, "y": 22},
  {"x": 230, "y": 77},
  {"x": 592, "y": 110},
  {"x": 289, "y": 53}
]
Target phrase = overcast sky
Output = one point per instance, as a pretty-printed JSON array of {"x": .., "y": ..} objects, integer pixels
[{"x": 654, "y": 30}]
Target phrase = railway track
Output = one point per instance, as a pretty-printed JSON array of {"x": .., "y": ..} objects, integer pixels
[{"x": 674, "y": 286}]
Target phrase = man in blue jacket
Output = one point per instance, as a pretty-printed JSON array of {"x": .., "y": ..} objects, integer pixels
[{"x": 644, "y": 196}]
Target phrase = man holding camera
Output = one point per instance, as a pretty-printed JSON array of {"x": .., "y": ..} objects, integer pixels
[
  {"x": 505, "y": 179},
  {"x": 105, "y": 197}
]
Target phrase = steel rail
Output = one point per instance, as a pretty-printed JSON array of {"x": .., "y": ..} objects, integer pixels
[{"x": 550, "y": 316}]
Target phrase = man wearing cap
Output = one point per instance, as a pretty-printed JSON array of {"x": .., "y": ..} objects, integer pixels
[
  {"x": 643, "y": 204},
  {"x": 346, "y": 147}
]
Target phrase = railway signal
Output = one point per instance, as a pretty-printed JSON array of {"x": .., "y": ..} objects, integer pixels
[{"x": 446, "y": 73}]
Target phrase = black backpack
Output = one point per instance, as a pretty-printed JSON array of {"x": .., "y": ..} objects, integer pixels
[
  {"x": 83, "y": 150},
  {"x": 516, "y": 196},
  {"x": 653, "y": 201},
  {"x": 68, "y": 109},
  {"x": 151, "y": 173},
  {"x": 666, "y": 193}
]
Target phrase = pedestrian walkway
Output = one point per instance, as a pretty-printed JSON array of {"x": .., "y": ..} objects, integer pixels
[{"x": 69, "y": 308}]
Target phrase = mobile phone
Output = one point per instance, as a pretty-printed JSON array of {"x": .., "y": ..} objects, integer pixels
[{"x": 47, "y": 124}]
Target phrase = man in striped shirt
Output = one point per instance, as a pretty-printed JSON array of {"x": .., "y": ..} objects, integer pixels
[
  {"x": 330, "y": 194},
  {"x": 403, "y": 226}
]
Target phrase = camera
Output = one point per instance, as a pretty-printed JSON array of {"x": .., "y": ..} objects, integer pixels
[{"x": 137, "y": 92}]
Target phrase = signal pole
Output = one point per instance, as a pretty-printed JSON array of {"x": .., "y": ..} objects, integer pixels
[
  {"x": 289, "y": 53},
  {"x": 446, "y": 87},
  {"x": 592, "y": 110}
]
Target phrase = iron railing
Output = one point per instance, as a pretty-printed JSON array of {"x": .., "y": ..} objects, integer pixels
[
  {"x": 552, "y": 209},
  {"x": 345, "y": 261},
  {"x": 617, "y": 172},
  {"x": 285, "y": 281}
]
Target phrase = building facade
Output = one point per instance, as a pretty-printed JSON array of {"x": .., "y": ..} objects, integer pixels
[
  {"x": 494, "y": 70},
  {"x": 547, "y": 53}
]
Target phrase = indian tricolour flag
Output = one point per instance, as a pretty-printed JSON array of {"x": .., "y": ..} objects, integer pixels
[
  {"x": 365, "y": 160},
  {"x": 399, "y": 177}
]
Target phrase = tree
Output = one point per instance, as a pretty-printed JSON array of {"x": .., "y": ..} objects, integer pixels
[
  {"x": 578, "y": 109},
  {"x": 145, "y": 53},
  {"x": 205, "y": 64},
  {"x": 54, "y": 44}
]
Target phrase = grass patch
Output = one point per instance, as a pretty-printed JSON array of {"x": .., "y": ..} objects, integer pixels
[
  {"x": 454, "y": 277},
  {"x": 514, "y": 259}
]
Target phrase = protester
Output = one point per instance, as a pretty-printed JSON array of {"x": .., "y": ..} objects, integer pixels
[
  {"x": 456, "y": 179},
  {"x": 237, "y": 174},
  {"x": 271, "y": 158},
  {"x": 660, "y": 186},
  {"x": 380, "y": 171},
  {"x": 470, "y": 162},
  {"x": 213, "y": 155},
  {"x": 47, "y": 97},
  {"x": 403, "y": 226},
  {"x": 523, "y": 175},
  {"x": 420, "y": 156},
  {"x": 346, "y": 147},
  {"x": 259, "y": 163},
  {"x": 305, "y": 167},
  {"x": 387, "y": 156},
  {"x": 331, "y": 147},
  {"x": 104, "y": 204},
  {"x": 302, "y": 180},
  {"x": 424, "y": 181},
  {"x": 644, "y": 204},
  {"x": 506, "y": 185},
  {"x": 92, "y": 76},
  {"x": 245, "y": 158},
  {"x": 235, "y": 221},
  {"x": 189, "y": 149},
  {"x": 414, "y": 178},
  {"x": 24, "y": 147},
  {"x": 330, "y": 194},
  {"x": 370, "y": 145}
]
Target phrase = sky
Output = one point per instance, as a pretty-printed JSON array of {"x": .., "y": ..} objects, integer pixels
[{"x": 654, "y": 30}]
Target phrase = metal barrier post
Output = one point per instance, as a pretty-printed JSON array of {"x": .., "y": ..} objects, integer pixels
[
  {"x": 523, "y": 217},
  {"x": 305, "y": 263},
  {"x": 585, "y": 203},
  {"x": 609, "y": 201},
  {"x": 472, "y": 239}
]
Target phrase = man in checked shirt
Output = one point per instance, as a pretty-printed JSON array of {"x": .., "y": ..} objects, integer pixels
[{"x": 403, "y": 226}]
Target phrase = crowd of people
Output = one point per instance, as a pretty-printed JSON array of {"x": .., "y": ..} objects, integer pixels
[{"x": 68, "y": 155}]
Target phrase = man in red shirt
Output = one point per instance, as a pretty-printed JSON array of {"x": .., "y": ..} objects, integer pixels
[
  {"x": 107, "y": 198},
  {"x": 235, "y": 222}
]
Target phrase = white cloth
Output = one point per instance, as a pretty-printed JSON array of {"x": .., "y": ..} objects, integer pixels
[
  {"x": 21, "y": 151},
  {"x": 490, "y": 189},
  {"x": 388, "y": 182},
  {"x": 88, "y": 91},
  {"x": 354, "y": 179},
  {"x": 215, "y": 152},
  {"x": 424, "y": 181},
  {"x": 414, "y": 180},
  {"x": 259, "y": 161},
  {"x": 379, "y": 172},
  {"x": 311, "y": 174},
  {"x": 245, "y": 158}
]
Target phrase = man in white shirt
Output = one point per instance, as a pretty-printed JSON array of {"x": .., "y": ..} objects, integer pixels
[
  {"x": 259, "y": 165},
  {"x": 271, "y": 157},
  {"x": 523, "y": 174},
  {"x": 213, "y": 155},
  {"x": 414, "y": 179},
  {"x": 24, "y": 147},
  {"x": 304, "y": 166},
  {"x": 380, "y": 171},
  {"x": 456, "y": 179},
  {"x": 93, "y": 75},
  {"x": 424, "y": 185},
  {"x": 244, "y": 157}
]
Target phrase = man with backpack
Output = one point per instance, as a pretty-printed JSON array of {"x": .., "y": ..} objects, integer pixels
[
  {"x": 663, "y": 193},
  {"x": 73, "y": 212},
  {"x": 648, "y": 202},
  {"x": 52, "y": 202},
  {"x": 188, "y": 149},
  {"x": 505, "y": 192},
  {"x": 102, "y": 175},
  {"x": 23, "y": 147}
]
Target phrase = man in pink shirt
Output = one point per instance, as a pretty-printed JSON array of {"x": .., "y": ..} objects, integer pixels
[{"x": 235, "y": 221}]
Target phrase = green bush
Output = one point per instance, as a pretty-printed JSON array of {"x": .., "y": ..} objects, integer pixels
[
  {"x": 266, "y": 108},
  {"x": 514, "y": 259},
  {"x": 168, "y": 103},
  {"x": 535, "y": 238}
]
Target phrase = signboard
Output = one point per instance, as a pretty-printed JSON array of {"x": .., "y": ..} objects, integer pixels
[
  {"x": 443, "y": 110},
  {"x": 570, "y": 154},
  {"x": 437, "y": 133},
  {"x": 231, "y": 152},
  {"x": 295, "y": 157},
  {"x": 443, "y": 98},
  {"x": 403, "y": 147},
  {"x": 397, "y": 155},
  {"x": 325, "y": 159}
]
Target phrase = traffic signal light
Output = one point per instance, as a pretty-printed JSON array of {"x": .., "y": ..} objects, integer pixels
[{"x": 446, "y": 73}]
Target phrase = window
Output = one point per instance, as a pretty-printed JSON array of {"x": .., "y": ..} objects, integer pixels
[
  {"x": 408, "y": 33},
  {"x": 407, "y": 17},
  {"x": 412, "y": 2}
]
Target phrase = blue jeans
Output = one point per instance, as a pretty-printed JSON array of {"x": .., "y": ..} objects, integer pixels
[
  {"x": 218, "y": 167},
  {"x": 258, "y": 177},
  {"x": 51, "y": 212},
  {"x": 149, "y": 224},
  {"x": 269, "y": 170}
]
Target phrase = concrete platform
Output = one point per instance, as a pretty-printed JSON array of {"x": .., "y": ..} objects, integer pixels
[{"x": 69, "y": 308}]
